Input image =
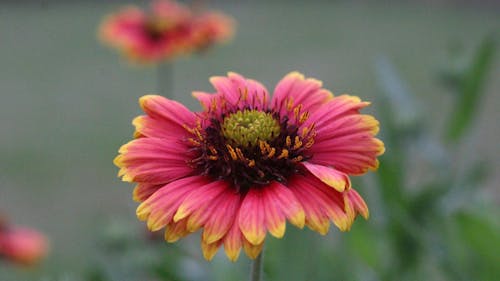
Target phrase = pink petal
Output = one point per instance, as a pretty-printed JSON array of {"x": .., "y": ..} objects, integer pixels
[
  {"x": 240, "y": 92},
  {"x": 202, "y": 197},
  {"x": 166, "y": 115},
  {"x": 335, "y": 108},
  {"x": 347, "y": 143},
  {"x": 222, "y": 216},
  {"x": 257, "y": 94},
  {"x": 346, "y": 126},
  {"x": 274, "y": 217},
  {"x": 329, "y": 176},
  {"x": 307, "y": 92},
  {"x": 212, "y": 27},
  {"x": 159, "y": 208},
  {"x": 213, "y": 207},
  {"x": 118, "y": 29},
  {"x": 146, "y": 126},
  {"x": 205, "y": 99},
  {"x": 279, "y": 197},
  {"x": 233, "y": 240},
  {"x": 357, "y": 202},
  {"x": 267, "y": 208},
  {"x": 171, "y": 10},
  {"x": 143, "y": 191},
  {"x": 321, "y": 203},
  {"x": 154, "y": 160},
  {"x": 252, "y": 217}
]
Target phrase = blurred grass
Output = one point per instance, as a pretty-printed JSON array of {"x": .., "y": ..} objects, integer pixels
[
  {"x": 67, "y": 102},
  {"x": 470, "y": 88}
]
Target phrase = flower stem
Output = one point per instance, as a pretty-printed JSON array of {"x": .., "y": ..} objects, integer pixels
[
  {"x": 256, "y": 274},
  {"x": 165, "y": 80}
]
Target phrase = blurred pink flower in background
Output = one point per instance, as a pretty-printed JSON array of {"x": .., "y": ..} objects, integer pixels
[
  {"x": 167, "y": 30},
  {"x": 22, "y": 245}
]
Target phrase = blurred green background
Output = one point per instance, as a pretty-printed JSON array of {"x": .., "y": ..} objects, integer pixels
[{"x": 429, "y": 68}]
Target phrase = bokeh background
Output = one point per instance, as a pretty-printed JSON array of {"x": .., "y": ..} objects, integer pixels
[{"x": 430, "y": 69}]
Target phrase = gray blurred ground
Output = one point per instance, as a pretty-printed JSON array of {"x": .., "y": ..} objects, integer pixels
[{"x": 66, "y": 102}]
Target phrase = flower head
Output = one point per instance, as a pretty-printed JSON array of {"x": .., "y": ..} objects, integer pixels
[
  {"x": 248, "y": 163},
  {"x": 22, "y": 245},
  {"x": 167, "y": 30}
]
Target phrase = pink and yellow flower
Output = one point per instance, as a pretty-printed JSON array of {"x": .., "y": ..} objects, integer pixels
[
  {"x": 249, "y": 162},
  {"x": 21, "y": 245},
  {"x": 167, "y": 30}
]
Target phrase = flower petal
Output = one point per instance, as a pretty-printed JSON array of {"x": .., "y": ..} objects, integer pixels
[
  {"x": 212, "y": 27},
  {"x": 209, "y": 250},
  {"x": 240, "y": 92},
  {"x": 307, "y": 92},
  {"x": 222, "y": 216},
  {"x": 233, "y": 240},
  {"x": 267, "y": 208},
  {"x": 252, "y": 250},
  {"x": 117, "y": 29},
  {"x": 146, "y": 126},
  {"x": 173, "y": 11},
  {"x": 252, "y": 217},
  {"x": 212, "y": 206},
  {"x": 160, "y": 207},
  {"x": 176, "y": 230},
  {"x": 281, "y": 203},
  {"x": 254, "y": 93},
  {"x": 143, "y": 191},
  {"x": 345, "y": 139},
  {"x": 153, "y": 160},
  {"x": 205, "y": 99},
  {"x": 330, "y": 176},
  {"x": 320, "y": 202},
  {"x": 339, "y": 106},
  {"x": 357, "y": 203},
  {"x": 166, "y": 117},
  {"x": 200, "y": 198},
  {"x": 345, "y": 126},
  {"x": 274, "y": 218}
]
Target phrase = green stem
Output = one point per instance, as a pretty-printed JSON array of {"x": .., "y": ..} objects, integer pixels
[
  {"x": 256, "y": 274},
  {"x": 165, "y": 80}
]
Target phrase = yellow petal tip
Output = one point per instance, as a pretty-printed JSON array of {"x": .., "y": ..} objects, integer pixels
[
  {"x": 180, "y": 214},
  {"x": 298, "y": 219},
  {"x": 278, "y": 231}
]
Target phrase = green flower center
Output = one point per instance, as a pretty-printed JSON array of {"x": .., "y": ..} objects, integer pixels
[{"x": 246, "y": 128}]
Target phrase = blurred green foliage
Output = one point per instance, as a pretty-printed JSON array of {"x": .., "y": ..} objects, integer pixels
[{"x": 468, "y": 84}]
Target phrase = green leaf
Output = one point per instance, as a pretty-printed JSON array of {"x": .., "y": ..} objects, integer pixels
[
  {"x": 471, "y": 89},
  {"x": 481, "y": 238}
]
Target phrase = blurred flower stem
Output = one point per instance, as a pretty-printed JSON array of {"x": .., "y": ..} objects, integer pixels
[
  {"x": 256, "y": 273},
  {"x": 165, "y": 80}
]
